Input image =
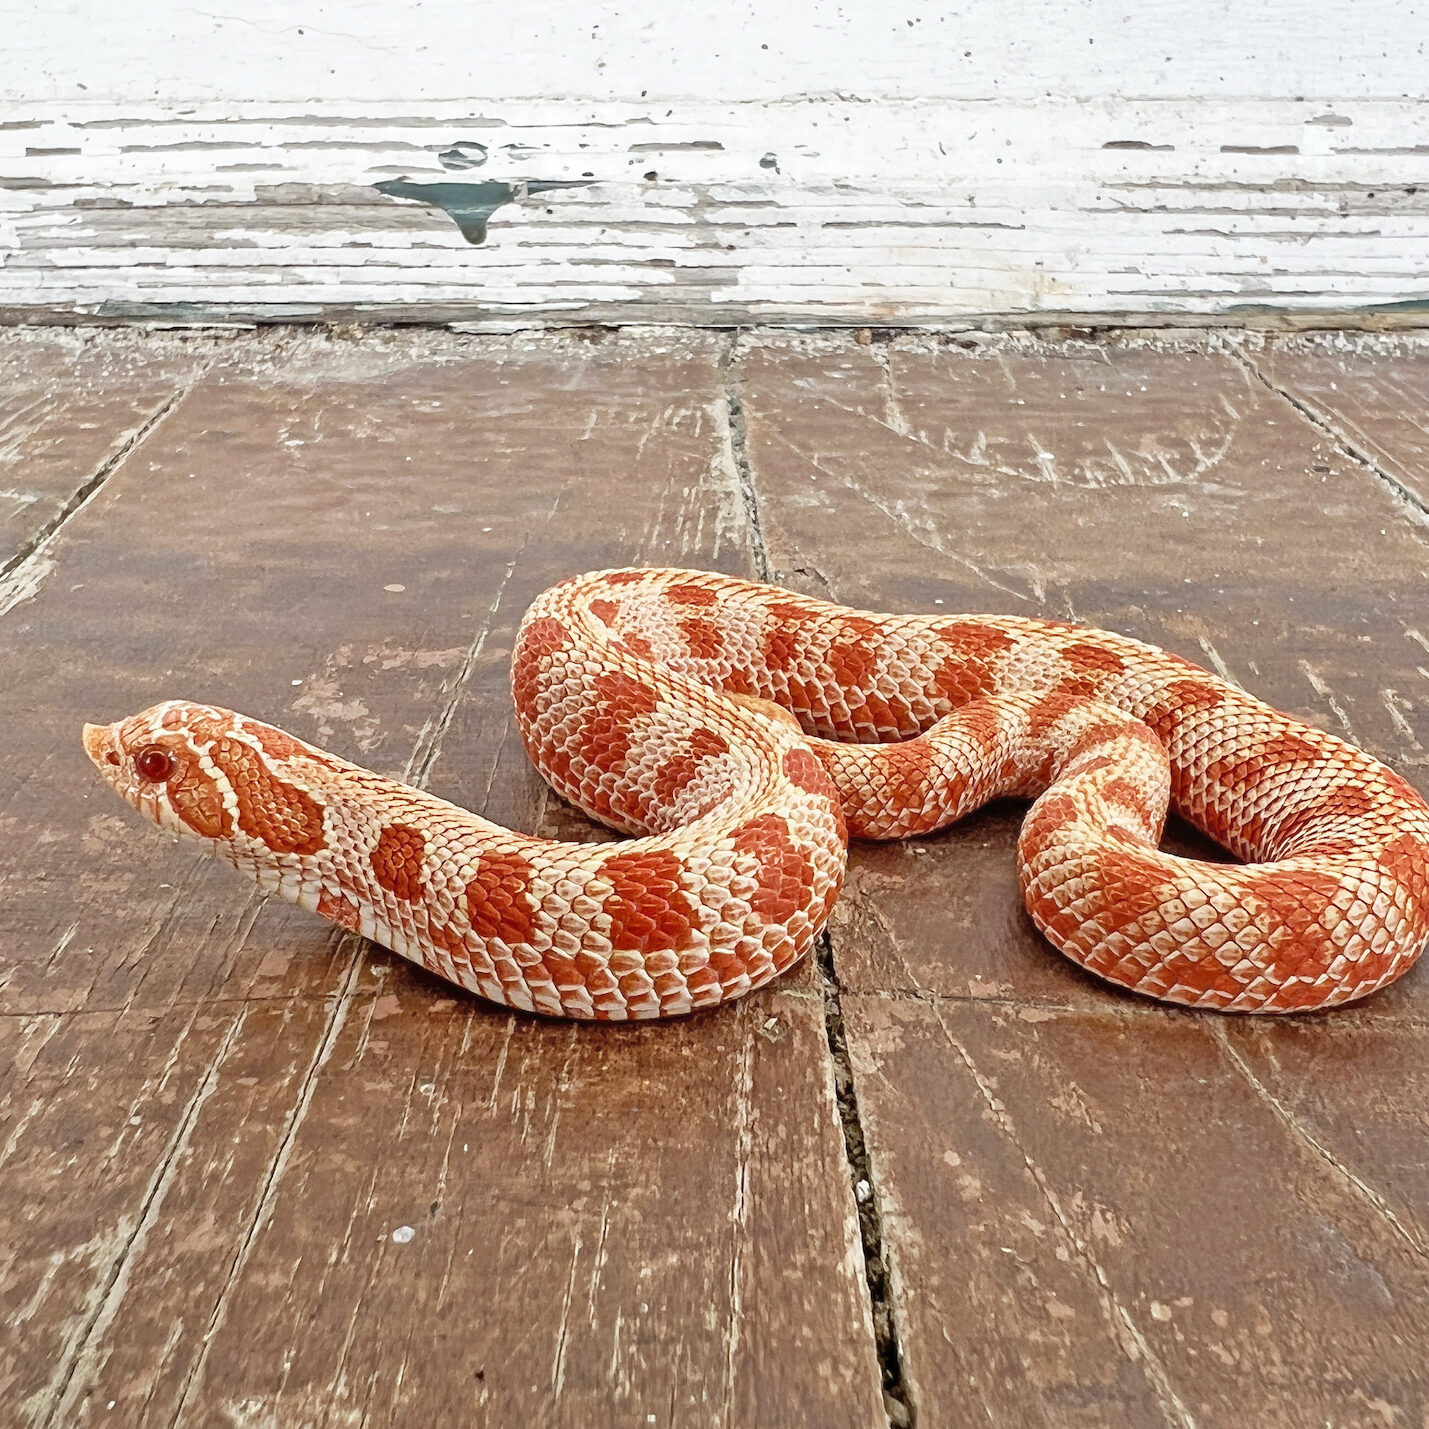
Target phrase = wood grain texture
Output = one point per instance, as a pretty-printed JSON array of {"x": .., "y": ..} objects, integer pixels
[
  {"x": 1099, "y": 1219},
  {"x": 809, "y": 207},
  {"x": 1176, "y": 1219},
  {"x": 68, "y": 410},
  {"x": 1373, "y": 400},
  {"x": 343, "y": 536},
  {"x": 216, "y": 1113}
]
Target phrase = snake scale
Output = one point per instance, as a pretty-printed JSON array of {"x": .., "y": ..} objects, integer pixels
[{"x": 741, "y": 734}]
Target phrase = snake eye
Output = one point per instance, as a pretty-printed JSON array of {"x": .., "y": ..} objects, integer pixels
[{"x": 154, "y": 764}]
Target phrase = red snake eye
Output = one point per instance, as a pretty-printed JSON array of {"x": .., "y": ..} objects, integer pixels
[{"x": 154, "y": 764}]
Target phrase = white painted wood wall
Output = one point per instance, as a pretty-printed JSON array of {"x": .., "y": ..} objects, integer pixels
[{"x": 868, "y": 161}]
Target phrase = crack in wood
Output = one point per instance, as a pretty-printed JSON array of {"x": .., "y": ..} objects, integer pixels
[
  {"x": 739, "y": 453},
  {"x": 897, "y": 1392},
  {"x": 1298, "y": 1128},
  {"x": 22, "y": 574},
  {"x": 1418, "y": 512},
  {"x": 898, "y": 1400}
]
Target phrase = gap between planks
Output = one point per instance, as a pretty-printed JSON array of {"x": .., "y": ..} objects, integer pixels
[
  {"x": 1414, "y": 508},
  {"x": 22, "y": 575},
  {"x": 897, "y": 1395}
]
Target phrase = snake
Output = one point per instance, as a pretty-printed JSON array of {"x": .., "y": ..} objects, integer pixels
[{"x": 740, "y": 735}]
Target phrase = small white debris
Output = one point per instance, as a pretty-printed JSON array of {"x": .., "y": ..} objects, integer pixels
[
  {"x": 395, "y": 589},
  {"x": 296, "y": 683},
  {"x": 863, "y": 1190},
  {"x": 403, "y": 1234}
]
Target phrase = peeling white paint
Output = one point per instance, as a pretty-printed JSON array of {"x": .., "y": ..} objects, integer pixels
[
  {"x": 1182, "y": 159},
  {"x": 175, "y": 52}
]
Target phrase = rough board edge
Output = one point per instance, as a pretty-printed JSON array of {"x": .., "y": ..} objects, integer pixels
[{"x": 246, "y": 317}]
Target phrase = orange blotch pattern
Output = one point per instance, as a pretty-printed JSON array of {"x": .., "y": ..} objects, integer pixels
[
  {"x": 1086, "y": 656},
  {"x": 1300, "y": 902},
  {"x": 804, "y": 771},
  {"x": 286, "y": 818},
  {"x": 677, "y": 773},
  {"x": 703, "y": 638},
  {"x": 851, "y": 661},
  {"x": 498, "y": 899},
  {"x": 278, "y": 744},
  {"x": 969, "y": 637},
  {"x": 1050, "y": 814},
  {"x": 904, "y": 770},
  {"x": 541, "y": 638},
  {"x": 397, "y": 861},
  {"x": 961, "y": 678},
  {"x": 621, "y": 700},
  {"x": 780, "y": 647},
  {"x": 604, "y": 610},
  {"x": 1180, "y": 701},
  {"x": 785, "y": 873},
  {"x": 196, "y": 798},
  {"x": 691, "y": 595},
  {"x": 1122, "y": 791},
  {"x": 1406, "y": 860},
  {"x": 649, "y": 910}
]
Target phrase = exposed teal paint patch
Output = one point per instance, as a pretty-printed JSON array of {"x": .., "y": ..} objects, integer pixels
[
  {"x": 469, "y": 155},
  {"x": 770, "y": 161},
  {"x": 1405, "y": 305},
  {"x": 470, "y": 206}
]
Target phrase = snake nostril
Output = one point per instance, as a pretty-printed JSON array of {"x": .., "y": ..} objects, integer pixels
[{"x": 112, "y": 758}]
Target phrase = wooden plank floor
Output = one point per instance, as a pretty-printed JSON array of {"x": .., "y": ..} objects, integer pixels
[{"x": 254, "y": 1172}]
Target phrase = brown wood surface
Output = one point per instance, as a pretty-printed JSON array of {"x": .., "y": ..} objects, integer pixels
[
  {"x": 217, "y": 1110},
  {"x": 69, "y": 406},
  {"x": 1100, "y": 1211},
  {"x": 220, "y": 1110},
  {"x": 1374, "y": 397}
]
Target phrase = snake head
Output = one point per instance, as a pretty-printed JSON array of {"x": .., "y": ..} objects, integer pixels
[
  {"x": 236, "y": 783},
  {"x": 160, "y": 761}
]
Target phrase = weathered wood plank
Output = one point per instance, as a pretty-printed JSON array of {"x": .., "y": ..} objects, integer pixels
[
  {"x": 1099, "y": 1220},
  {"x": 1374, "y": 397},
  {"x": 344, "y": 536},
  {"x": 68, "y": 408},
  {"x": 819, "y": 207},
  {"x": 1164, "y": 491},
  {"x": 282, "y": 49},
  {"x": 602, "y": 1228}
]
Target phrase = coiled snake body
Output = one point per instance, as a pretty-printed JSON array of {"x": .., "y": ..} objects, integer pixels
[{"x": 742, "y": 733}]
